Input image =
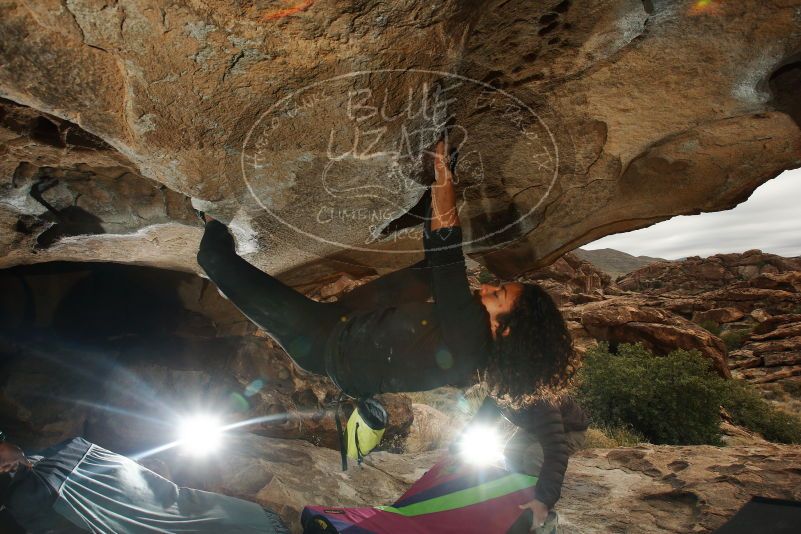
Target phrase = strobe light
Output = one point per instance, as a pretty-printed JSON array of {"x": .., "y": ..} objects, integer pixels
[
  {"x": 200, "y": 435},
  {"x": 481, "y": 445}
]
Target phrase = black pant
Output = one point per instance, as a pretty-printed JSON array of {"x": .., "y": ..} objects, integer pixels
[{"x": 298, "y": 324}]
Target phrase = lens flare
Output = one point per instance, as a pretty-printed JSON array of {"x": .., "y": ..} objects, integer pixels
[
  {"x": 254, "y": 387},
  {"x": 701, "y": 7},
  {"x": 200, "y": 435},
  {"x": 481, "y": 445}
]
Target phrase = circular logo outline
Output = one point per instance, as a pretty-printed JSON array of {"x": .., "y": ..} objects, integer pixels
[{"x": 354, "y": 74}]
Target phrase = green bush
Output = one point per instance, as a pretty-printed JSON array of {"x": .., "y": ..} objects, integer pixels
[
  {"x": 711, "y": 326},
  {"x": 747, "y": 408},
  {"x": 673, "y": 399},
  {"x": 734, "y": 338}
]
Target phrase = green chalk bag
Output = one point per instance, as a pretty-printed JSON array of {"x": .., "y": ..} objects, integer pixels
[{"x": 363, "y": 432}]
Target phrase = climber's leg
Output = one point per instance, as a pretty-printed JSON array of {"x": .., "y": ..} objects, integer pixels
[{"x": 299, "y": 324}]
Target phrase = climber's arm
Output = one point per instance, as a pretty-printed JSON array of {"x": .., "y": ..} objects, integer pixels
[
  {"x": 545, "y": 422},
  {"x": 413, "y": 284},
  {"x": 443, "y": 195},
  {"x": 462, "y": 318}
]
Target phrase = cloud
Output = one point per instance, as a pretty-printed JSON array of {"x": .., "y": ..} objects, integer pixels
[{"x": 770, "y": 220}]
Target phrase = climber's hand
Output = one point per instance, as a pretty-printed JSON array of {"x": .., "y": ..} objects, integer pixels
[
  {"x": 10, "y": 467},
  {"x": 539, "y": 510},
  {"x": 12, "y": 458},
  {"x": 443, "y": 196},
  {"x": 442, "y": 169}
]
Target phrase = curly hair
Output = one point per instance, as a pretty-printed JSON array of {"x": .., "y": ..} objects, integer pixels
[{"x": 538, "y": 351}]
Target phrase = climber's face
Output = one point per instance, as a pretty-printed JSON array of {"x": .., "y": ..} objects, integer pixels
[{"x": 499, "y": 300}]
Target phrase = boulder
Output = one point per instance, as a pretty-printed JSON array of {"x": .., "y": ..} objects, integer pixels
[
  {"x": 774, "y": 321},
  {"x": 774, "y": 349},
  {"x": 767, "y": 375},
  {"x": 286, "y": 475},
  {"x": 37, "y": 404},
  {"x": 719, "y": 315},
  {"x": 630, "y": 320},
  {"x": 572, "y": 118},
  {"x": 431, "y": 429},
  {"x": 672, "y": 489},
  {"x": 759, "y": 315},
  {"x": 649, "y": 489},
  {"x": 571, "y": 280},
  {"x": 786, "y": 330}
]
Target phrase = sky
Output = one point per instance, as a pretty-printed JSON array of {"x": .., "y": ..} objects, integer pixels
[{"x": 769, "y": 220}]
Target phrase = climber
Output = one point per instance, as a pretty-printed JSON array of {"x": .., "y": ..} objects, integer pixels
[
  {"x": 77, "y": 486},
  {"x": 386, "y": 337}
]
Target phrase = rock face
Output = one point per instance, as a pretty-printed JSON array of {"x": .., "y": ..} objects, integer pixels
[
  {"x": 431, "y": 429},
  {"x": 571, "y": 280},
  {"x": 633, "y": 319},
  {"x": 751, "y": 299},
  {"x": 645, "y": 489},
  {"x": 305, "y": 127},
  {"x": 672, "y": 489},
  {"x": 772, "y": 353},
  {"x": 286, "y": 475},
  {"x": 753, "y": 295}
]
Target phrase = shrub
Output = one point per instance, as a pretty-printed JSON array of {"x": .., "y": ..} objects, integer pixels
[
  {"x": 711, "y": 326},
  {"x": 747, "y": 408},
  {"x": 734, "y": 338},
  {"x": 673, "y": 399}
]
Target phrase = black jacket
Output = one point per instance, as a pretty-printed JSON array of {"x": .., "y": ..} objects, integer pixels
[
  {"x": 416, "y": 345},
  {"x": 395, "y": 340},
  {"x": 548, "y": 421}
]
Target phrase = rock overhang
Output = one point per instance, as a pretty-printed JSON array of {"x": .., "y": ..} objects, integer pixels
[{"x": 575, "y": 120}]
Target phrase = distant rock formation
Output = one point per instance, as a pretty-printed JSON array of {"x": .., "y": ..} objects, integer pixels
[
  {"x": 573, "y": 280},
  {"x": 772, "y": 352},
  {"x": 689, "y": 304},
  {"x": 696, "y": 275},
  {"x": 613, "y": 262},
  {"x": 743, "y": 311}
]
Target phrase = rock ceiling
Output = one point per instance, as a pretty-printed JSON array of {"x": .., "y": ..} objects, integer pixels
[{"x": 304, "y": 124}]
